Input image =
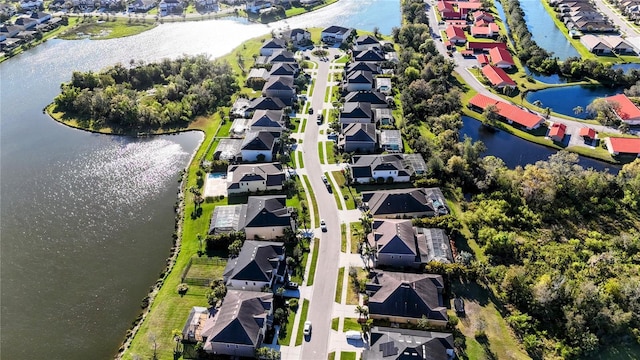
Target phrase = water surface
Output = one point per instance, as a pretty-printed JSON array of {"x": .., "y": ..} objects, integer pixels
[{"x": 564, "y": 100}]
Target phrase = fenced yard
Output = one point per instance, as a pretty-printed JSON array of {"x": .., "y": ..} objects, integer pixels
[{"x": 200, "y": 271}]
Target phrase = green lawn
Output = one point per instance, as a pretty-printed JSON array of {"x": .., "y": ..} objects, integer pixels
[
  {"x": 311, "y": 87},
  {"x": 331, "y": 356},
  {"x": 300, "y": 159},
  {"x": 316, "y": 214},
  {"x": 314, "y": 261},
  {"x": 304, "y": 125},
  {"x": 285, "y": 340},
  {"x": 329, "y": 153},
  {"x": 293, "y": 11},
  {"x": 344, "y": 190},
  {"x": 303, "y": 318},
  {"x": 356, "y": 229},
  {"x": 352, "y": 292},
  {"x": 107, "y": 29},
  {"x": 320, "y": 153},
  {"x": 347, "y": 355},
  {"x": 343, "y": 241},
  {"x": 336, "y": 194},
  {"x": 339, "y": 284},
  {"x": 327, "y": 92},
  {"x": 351, "y": 324},
  {"x": 298, "y": 271},
  {"x": 335, "y": 322}
]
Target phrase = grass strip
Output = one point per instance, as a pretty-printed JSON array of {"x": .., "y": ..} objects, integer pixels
[
  {"x": 346, "y": 192},
  {"x": 347, "y": 355},
  {"x": 336, "y": 194},
  {"x": 303, "y": 318},
  {"x": 314, "y": 261},
  {"x": 320, "y": 153},
  {"x": 304, "y": 125},
  {"x": 351, "y": 324},
  {"x": 331, "y": 356},
  {"x": 327, "y": 93},
  {"x": 343, "y": 242},
  {"x": 291, "y": 319},
  {"x": 300, "y": 160},
  {"x": 316, "y": 213},
  {"x": 329, "y": 153},
  {"x": 313, "y": 84},
  {"x": 356, "y": 235},
  {"x": 338, "y": 297},
  {"x": 334, "y": 323}
]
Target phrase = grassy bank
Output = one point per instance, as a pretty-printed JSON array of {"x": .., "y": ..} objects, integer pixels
[{"x": 112, "y": 28}]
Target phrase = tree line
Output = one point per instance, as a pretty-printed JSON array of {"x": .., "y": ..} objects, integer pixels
[{"x": 164, "y": 95}]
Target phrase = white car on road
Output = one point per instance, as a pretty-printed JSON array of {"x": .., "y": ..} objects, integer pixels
[
  {"x": 307, "y": 328},
  {"x": 323, "y": 225}
]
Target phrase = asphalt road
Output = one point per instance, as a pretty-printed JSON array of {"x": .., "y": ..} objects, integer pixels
[{"x": 324, "y": 285}]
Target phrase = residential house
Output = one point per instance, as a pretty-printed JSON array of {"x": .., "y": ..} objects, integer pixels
[
  {"x": 27, "y": 23},
  {"x": 257, "y": 77},
  {"x": 406, "y": 297},
  {"x": 40, "y": 17},
  {"x": 254, "y": 6},
  {"x": 9, "y": 31},
  {"x": 619, "y": 45},
  {"x": 447, "y": 11},
  {"x": 207, "y": 5},
  {"x": 398, "y": 203},
  {"x": 272, "y": 45},
  {"x": 239, "y": 326},
  {"x": 366, "y": 42},
  {"x": 284, "y": 69},
  {"x": 482, "y": 15},
  {"x": 376, "y": 99},
  {"x": 399, "y": 244},
  {"x": 366, "y": 169},
  {"x": 30, "y": 4},
  {"x": 507, "y": 112},
  {"x": 192, "y": 330},
  {"x": 268, "y": 120},
  {"x": 266, "y": 217},
  {"x": 260, "y": 264},
  {"x": 456, "y": 35},
  {"x": 388, "y": 343},
  {"x": 359, "y": 81},
  {"x": 141, "y": 5},
  {"x": 383, "y": 116},
  {"x": 383, "y": 85},
  {"x": 359, "y": 138},
  {"x": 167, "y": 7},
  {"x": 596, "y": 44},
  {"x": 467, "y": 7},
  {"x": 258, "y": 146},
  {"x": 280, "y": 87},
  {"x": 263, "y": 103},
  {"x": 623, "y": 146},
  {"x": 626, "y": 110},
  {"x": 364, "y": 66},
  {"x": 557, "y": 131},
  {"x": 335, "y": 34},
  {"x": 355, "y": 112},
  {"x": 371, "y": 55},
  {"x": 483, "y": 59},
  {"x": 588, "y": 134},
  {"x": 501, "y": 58},
  {"x": 228, "y": 149},
  {"x": 251, "y": 178},
  {"x": 297, "y": 36},
  {"x": 390, "y": 141},
  {"x": 282, "y": 56},
  {"x": 497, "y": 77},
  {"x": 489, "y": 31},
  {"x": 478, "y": 46}
]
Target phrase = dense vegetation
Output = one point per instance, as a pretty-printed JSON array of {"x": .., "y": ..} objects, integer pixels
[
  {"x": 574, "y": 68},
  {"x": 164, "y": 95},
  {"x": 559, "y": 244}
]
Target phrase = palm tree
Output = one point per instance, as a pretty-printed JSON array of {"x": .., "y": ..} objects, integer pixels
[{"x": 362, "y": 311}]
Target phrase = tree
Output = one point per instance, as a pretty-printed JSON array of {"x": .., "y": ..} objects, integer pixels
[
  {"x": 578, "y": 110},
  {"x": 423, "y": 323},
  {"x": 490, "y": 115},
  {"x": 235, "y": 247},
  {"x": 266, "y": 353},
  {"x": 362, "y": 311},
  {"x": 280, "y": 316},
  {"x": 376, "y": 32}
]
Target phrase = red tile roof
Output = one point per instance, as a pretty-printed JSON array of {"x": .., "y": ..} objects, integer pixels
[
  {"x": 481, "y": 30},
  {"x": 625, "y": 145},
  {"x": 588, "y": 132},
  {"x": 508, "y": 111},
  {"x": 557, "y": 130},
  {"x": 444, "y": 5},
  {"x": 467, "y": 5},
  {"x": 483, "y": 59},
  {"x": 501, "y": 55},
  {"x": 477, "y": 45},
  {"x": 454, "y": 32},
  {"x": 497, "y": 76},
  {"x": 628, "y": 110}
]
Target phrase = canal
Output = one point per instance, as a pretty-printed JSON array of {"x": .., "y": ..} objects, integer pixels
[{"x": 564, "y": 100}]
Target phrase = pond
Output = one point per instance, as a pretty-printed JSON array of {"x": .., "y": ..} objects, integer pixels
[
  {"x": 549, "y": 79},
  {"x": 563, "y": 100},
  {"x": 544, "y": 31},
  {"x": 515, "y": 151}
]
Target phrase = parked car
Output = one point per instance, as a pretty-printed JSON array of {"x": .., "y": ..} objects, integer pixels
[
  {"x": 307, "y": 328},
  {"x": 291, "y": 285},
  {"x": 319, "y": 118},
  {"x": 324, "y": 180},
  {"x": 323, "y": 225},
  {"x": 310, "y": 110}
]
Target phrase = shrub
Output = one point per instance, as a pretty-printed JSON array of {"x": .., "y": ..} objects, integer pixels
[{"x": 182, "y": 288}]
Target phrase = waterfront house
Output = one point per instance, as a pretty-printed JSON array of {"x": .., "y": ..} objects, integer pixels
[
  {"x": 399, "y": 203},
  {"x": 359, "y": 81},
  {"x": 192, "y": 330},
  {"x": 557, "y": 131},
  {"x": 280, "y": 87},
  {"x": 623, "y": 146},
  {"x": 588, "y": 134},
  {"x": 387, "y": 343},
  {"x": 497, "y": 77},
  {"x": 355, "y": 112},
  {"x": 405, "y": 297},
  {"x": 359, "y": 138},
  {"x": 365, "y": 42},
  {"x": 626, "y": 110},
  {"x": 239, "y": 326},
  {"x": 478, "y": 46},
  {"x": 263, "y": 103},
  {"x": 254, "y": 6},
  {"x": 335, "y": 34},
  {"x": 272, "y": 45},
  {"x": 390, "y": 141},
  {"x": 256, "y": 78},
  {"x": 141, "y": 5},
  {"x": 596, "y": 44},
  {"x": 501, "y": 58},
  {"x": 456, "y": 35},
  {"x": 374, "y": 98},
  {"x": 482, "y": 15},
  {"x": 40, "y": 17},
  {"x": 250, "y": 178},
  {"x": 9, "y": 31},
  {"x": 297, "y": 36},
  {"x": 228, "y": 149},
  {"x": 167, "y": 7},
  {"x": 508, "y": 112},
  {"x": 284, "y": 69},
  {"x": 266, "y": 217},
  {"x": 489, "y": 31},
  {"x": 282, "y": 56},
  {"x": 383, "y": 116},
  {"x": 259, "y": 265},
  {"x": 366, "y": 169},
  {"x": 258, "y": 146},
  {"x": 27, "y": 23},
  {"x": 619, "y": 45},
  {"x": 399, "y": 244}
]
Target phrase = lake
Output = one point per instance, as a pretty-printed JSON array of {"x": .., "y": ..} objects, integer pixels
[
  {"x": 87, "y": 219},
  {"x": 544, "y": 31},
  {"x": 564, "y": 99}
]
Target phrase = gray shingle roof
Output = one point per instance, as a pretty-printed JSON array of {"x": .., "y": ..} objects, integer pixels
[
  {"x": 360, "y": 132},
  {"x": 360, "y": 65},
  {"x": 257, "y": 261},
  {"x": 258, "y": 140},
  {"x": 266, "y": 103},
  {"x": 274, "y": 44},
  {"x": 396, "y": 344},
  {"x": 356, "y": 110},
  {"x": 270, "y": 172},
  {"x": 401, "y": 201},
  {"x": 394, "y": 237},
  {"x": 372, "y": 97},
  {"x": 368, "y": 55},
  {"x": 268, "y": 119},
  {"x": 267, "y": 211},
  {"x": 360, "y": 77}
]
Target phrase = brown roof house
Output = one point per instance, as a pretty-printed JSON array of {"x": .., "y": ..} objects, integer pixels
[
  {"x": 399, "y": 244},
  {"x": 239, "y": 326},
  {"x": 399, "y": 203},
  {"x": 406, "y": 297}
]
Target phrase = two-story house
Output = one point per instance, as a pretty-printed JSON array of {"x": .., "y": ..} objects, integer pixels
[
  {"x": 259, "y": 264},
  {"x": 249, "y": 178}
]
